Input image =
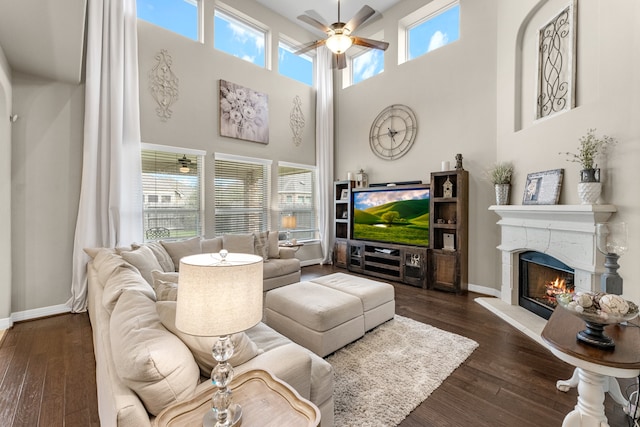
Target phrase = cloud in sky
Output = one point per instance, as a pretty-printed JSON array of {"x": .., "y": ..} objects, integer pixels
[
  {"x": 438, "y": 39},
  {"x": 367, "y": 65}
]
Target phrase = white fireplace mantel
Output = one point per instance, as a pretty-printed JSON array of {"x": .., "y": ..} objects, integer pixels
[{"x": 566, "y": 232}]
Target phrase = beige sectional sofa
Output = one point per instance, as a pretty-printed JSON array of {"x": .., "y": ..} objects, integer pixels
[{"x": 144, "y": 364}]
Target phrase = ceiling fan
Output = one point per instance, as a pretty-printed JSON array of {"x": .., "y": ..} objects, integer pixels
[
  {"x": 340, "y": 35},
  {"x": 184, "y": 164}
]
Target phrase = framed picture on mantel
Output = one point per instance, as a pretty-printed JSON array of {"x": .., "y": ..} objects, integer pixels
[{"x": 543, "y": 188}]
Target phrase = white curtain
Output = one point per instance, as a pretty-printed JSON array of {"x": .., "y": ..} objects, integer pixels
[
  {"x": 110, "y": 208},
  {"x": 324, "y": 148}
]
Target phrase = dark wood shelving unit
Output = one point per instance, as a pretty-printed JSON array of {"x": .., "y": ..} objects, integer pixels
[{"x": 448, "y": 231}]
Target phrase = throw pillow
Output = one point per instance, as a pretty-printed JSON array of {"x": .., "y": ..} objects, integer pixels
[
  {"x": 211, "y": 246},
  {"x": 238, "y": 243},
  {"x": 144, "y": 260},
  {"x": 244, "y": 348},
  {"x": 165, "y": 291},
  {"x": 261, "y": 241},
  {"x": 124, "y": 278},
  {"x": 150, "y": 360},
  {"x": 274, "y": 249},
  {"x": 161, "y": 254},
  {"x": 171, "y": 276},
  {"x": 182, "y": 248}
]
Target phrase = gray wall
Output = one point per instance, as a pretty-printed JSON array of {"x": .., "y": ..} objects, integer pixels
[{"x": 5, "y": 191}]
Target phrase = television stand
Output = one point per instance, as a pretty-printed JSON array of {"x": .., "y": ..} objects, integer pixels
[{"x": 395, "y": 262}]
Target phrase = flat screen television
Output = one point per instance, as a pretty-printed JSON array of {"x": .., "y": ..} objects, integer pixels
[{"x": 392, "y": 214}]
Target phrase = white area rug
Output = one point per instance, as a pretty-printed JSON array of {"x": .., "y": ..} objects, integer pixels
[{"x": 383, "y": 376}]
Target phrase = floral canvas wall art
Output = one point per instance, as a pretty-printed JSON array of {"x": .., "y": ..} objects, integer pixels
[{"x": 244, "y": 113}]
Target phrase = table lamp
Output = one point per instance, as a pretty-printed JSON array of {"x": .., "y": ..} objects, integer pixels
[
  {"x": 288, "y": 222},
  {"x": 611, "y": 240},
  {"x": 219, "y": 295}
]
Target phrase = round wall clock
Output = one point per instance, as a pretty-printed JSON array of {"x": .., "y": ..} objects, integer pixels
[{"x": 393, "y": 132}]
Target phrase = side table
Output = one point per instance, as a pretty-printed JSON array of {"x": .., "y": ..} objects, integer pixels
[
  {"x": 266, "y": 401},
  {"x": 596, "y": 369}
]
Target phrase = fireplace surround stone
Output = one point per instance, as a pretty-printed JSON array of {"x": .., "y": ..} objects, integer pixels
[{"x": 566, "y": 232}]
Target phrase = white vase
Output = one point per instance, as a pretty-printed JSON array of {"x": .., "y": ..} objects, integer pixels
[
  {"x": 589, "y": 192},
  {"x": 502, "y": 194}
]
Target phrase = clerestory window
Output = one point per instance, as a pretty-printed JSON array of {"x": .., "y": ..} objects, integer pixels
[{"x": 240, "y": 36}]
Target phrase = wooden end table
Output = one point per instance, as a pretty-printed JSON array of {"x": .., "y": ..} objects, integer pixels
[
  {"x": 596, "y": 369},
  {"x": 266, "y": 401}
]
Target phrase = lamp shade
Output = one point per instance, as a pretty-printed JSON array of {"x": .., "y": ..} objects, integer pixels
[
  {"x": 219, "y": 295},
  {"x": 289, "y": 221}
]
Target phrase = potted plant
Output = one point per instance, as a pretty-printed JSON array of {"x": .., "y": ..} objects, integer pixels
[
  {"x": 500, "y": 175},
  {"x": 590, "y": 149}
]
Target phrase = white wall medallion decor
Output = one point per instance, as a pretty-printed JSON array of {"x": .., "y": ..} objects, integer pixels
[
  {"x": 244, "y": 113},
  {"x": 557, "y": 63},
  {"x": 163, "y": 85},
  {"x": 296, "y": 120}
]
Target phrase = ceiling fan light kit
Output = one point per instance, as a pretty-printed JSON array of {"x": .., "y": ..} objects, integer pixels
[{"x": 340, "y": 35}]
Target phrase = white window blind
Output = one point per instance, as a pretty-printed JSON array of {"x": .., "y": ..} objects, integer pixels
[
  {"x": 297, "y": 197},
  {"x": 172, "y": 193},
  {"x": 242, "y": 195}
]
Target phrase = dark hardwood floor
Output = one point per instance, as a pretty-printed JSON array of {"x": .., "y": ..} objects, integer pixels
[{"x": 47, "y": 370}]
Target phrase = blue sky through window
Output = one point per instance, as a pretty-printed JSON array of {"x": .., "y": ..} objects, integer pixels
[
  {"x": 179, "y": 16},
  {"x": 436, "y": 32},
  {"x": 238, "y": 39},
  {"x": 297, "y": 67},
  {"x": 367, "y": 64}
]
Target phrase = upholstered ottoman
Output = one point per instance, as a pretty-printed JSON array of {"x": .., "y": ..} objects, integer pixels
[
  {"x": 317, "y": 317},
  {"x": 378, "y": 298}
]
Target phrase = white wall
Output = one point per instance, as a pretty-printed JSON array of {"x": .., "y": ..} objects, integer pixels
[
  {"x": 45, "y": 184},
  {"x": 608, "y": 83},
  {"x": 452, "y": 90},
  {"x": 5, "y": 191}
]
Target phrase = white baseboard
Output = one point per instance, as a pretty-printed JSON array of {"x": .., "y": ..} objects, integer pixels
[
  {"x": 310, "y": 262},
  {"x": 484, "y": 290},
  {"x": 36, "y": 313},
  {"x": 5, "y": 323}
]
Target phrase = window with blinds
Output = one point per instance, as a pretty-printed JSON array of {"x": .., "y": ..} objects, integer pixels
[
  {"x": 297, "y": 198},
  {"x": 241, "y": 188},
  {"x": 172, "y": 193}
]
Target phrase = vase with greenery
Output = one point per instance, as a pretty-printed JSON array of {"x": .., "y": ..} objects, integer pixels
[
  {"x": 500, "y": 175},
  {"x": 591, "y": 149}
]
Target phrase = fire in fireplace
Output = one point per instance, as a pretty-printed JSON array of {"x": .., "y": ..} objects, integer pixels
[{"x": 541, "y": 278}]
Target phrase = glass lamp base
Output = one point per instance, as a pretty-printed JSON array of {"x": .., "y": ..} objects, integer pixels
[{"x": 235, "y": 414}]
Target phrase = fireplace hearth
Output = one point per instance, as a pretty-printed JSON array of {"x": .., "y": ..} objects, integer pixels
[{"x": 541, "y": 278}]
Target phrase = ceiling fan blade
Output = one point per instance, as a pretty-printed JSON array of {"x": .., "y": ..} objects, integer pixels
[
  {"x": 314, "y": 23},
  {"x": 340, "y": 60},
  {"x": 363, "y": 14},
  {"x": 375, "y": 44},
  {"x": 309, "y": 46}
]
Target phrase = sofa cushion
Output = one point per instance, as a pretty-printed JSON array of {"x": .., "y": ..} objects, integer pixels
[
  {"x": 124, "y": 278},
  {"x": 161, "y": 254},
  {"x": 244, "y": 348},
  {"x": 182, "y": 248},
  {"x": 238, "y": 243},
  {"x": 274, "y": 249},
  {"x": 150, "y": 360},
  {"x": 211, "y": 246},
  {"x": 106, "y": 262},
  {"x": 144, "y": 260},
  {"x": 280, "y": 267},
  {"x": 261, "y": 244}
]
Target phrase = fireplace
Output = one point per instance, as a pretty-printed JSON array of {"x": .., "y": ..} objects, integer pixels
[
  {"x": 541, "y": 278},
  {"x": 564, "y": 232}
]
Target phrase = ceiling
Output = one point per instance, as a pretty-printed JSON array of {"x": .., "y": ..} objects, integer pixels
[
  {"x": 45, "y": 38},
  {"x": 326, "y": 11}
]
